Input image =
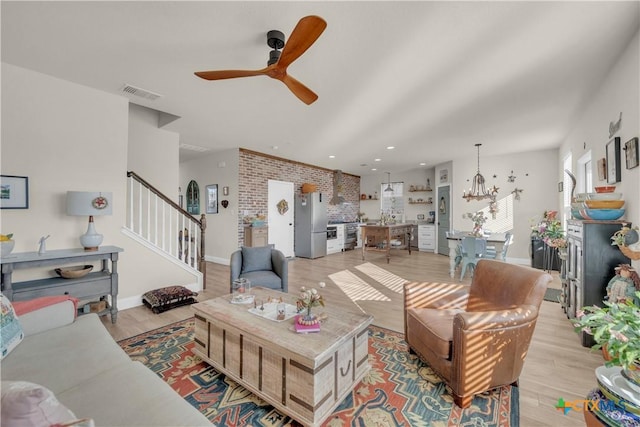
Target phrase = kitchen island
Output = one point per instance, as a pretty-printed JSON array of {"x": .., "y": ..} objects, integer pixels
[{"x": 380, "y": 238}]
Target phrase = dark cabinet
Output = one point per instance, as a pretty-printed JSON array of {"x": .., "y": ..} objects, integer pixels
[
  {"x": 591, "y": 260},
  {"x": 543, "y": 256}
]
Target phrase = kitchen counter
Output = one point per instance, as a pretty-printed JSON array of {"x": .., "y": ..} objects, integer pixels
[{"x": 379, "y": 237}]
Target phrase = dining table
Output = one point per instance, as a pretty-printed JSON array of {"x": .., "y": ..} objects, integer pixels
[{"x": 454, "y": 239}]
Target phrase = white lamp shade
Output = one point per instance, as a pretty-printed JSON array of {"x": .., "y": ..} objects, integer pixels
[{"x": 87, "y": 203}]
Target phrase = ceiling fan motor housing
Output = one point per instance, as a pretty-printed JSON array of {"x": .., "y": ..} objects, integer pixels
[{"x": 275, "y": 40}]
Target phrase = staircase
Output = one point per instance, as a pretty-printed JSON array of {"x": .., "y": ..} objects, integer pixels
[{"x": 163, "y": 226}]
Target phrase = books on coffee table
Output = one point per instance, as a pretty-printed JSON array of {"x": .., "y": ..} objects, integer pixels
[{"x": 305, "y": 329}]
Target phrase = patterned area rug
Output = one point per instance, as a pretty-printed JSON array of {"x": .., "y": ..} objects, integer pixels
[{"x": 399, "y": 390}]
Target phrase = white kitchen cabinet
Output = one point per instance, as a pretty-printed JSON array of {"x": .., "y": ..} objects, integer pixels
[
  {"x": 340, "y": 239},
  {"x": 427, "y": 238}
]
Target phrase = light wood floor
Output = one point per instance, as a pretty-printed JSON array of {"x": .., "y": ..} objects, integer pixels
[{"x": 556, "y": 365}]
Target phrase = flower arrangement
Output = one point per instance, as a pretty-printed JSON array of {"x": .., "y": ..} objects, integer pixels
[
  {"x": 308, "y": 299},
  {"x": 615, "y": 326},
  {"x": 478, "y": 219},
  {"x": 550, "y": 230}
]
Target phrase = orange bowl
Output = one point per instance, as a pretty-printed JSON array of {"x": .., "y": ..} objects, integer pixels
[
  {"x": 605, "y": 189},
  {"x": 604, "y": 204}
]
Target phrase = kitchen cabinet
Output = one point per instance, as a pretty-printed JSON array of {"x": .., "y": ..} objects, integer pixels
[
  {"x": 256, "y": 236},
  {"x": 591, "y": 260},
  {"x": 427, "y": 238},
  {"x": 336, "y": 245}
]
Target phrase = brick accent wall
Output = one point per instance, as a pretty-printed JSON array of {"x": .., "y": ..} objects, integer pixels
[{"x": 255, "y": 169}]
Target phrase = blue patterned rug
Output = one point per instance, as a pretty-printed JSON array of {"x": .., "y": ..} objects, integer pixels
[{"x": 399, "y": 390}]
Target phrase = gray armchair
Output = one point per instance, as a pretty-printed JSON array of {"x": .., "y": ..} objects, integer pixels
[{"x": 263, "y": 266}]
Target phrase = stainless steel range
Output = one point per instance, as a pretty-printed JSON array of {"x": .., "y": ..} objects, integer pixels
[{"x": 350, "y": 235}]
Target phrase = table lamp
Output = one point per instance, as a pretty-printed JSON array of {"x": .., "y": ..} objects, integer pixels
[{"x": 89, "y": 203}]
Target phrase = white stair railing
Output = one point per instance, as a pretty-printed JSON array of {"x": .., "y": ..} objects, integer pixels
[{"x": 161, "y": 222}]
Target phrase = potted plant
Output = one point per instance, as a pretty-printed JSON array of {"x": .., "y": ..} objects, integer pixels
[{"x": 615, "y": 326}]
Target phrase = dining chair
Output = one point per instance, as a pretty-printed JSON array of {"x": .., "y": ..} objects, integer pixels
[
  {"x": 473, "y": 249},
  {"x": 491, "y": 251}
]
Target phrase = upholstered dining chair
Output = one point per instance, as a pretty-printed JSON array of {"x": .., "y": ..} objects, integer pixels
[
  {"x": 263, "y": 266},
  {"x": 475, "y": 337},
  {"x": 473, "y": 248}
]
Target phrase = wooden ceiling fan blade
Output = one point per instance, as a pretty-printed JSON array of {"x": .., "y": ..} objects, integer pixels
[
  {"x": 302, "y": 37},
  {"x": 229, "y": 74},
  {"x": 305, "y": 94}
]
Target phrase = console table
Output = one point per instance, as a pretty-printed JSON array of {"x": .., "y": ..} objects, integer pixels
[
  {"x": 372, "y": 234},
  {"x": 98, "y": 284}
]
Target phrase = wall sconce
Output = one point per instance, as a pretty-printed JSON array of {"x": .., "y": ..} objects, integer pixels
[
  {"x": 87, "y": 203},
  {"x": 225, "y": 191}
]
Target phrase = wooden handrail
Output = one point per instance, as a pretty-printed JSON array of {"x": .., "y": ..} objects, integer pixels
[{"x": 201, "y": 223}]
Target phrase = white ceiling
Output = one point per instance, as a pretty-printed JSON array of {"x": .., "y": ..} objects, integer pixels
[{"x": 430, "y": 78}]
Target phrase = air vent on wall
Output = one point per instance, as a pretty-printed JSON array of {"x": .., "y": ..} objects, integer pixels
[
  {"x": 142, "y": 93},
  {"x": 193, "y": 148}
]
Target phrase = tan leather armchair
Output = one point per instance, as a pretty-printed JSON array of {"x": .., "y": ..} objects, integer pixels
[{"x": 475, "y": 337}]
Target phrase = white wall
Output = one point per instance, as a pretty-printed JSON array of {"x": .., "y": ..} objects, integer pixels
[
  {"x": 620, "y": 92},
  {"x": 535, "y": 174},
  {"x": 65, "y": 136},
  {"x": 152, "y": 152},
  {"x": 222, "y": 228}
]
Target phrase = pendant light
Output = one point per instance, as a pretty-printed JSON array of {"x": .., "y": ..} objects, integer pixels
[
  {"x": 389, "y": 188},
  {"x": 478, "y": 190}
]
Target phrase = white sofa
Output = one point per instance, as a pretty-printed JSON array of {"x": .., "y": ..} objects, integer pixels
[{"x": 90, "y": 374}]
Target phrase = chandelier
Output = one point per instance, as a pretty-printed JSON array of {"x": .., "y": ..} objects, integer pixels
[{"x": 478, "y": 190}]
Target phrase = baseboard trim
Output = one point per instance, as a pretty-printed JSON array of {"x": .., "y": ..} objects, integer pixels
[{"x": 135, "y": 301}]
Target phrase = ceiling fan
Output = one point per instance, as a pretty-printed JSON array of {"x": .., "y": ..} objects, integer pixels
[{"x": 302, "y": 37}]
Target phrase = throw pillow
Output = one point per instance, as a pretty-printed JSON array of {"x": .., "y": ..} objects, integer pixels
[
  {"x": 26, "y": 404},
  {"x": 10, "y": 328},
  {"x": 256, "y": 258}
]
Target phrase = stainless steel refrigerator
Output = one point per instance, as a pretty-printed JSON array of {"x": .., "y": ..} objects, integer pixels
[{"x": 310, "y": 226}]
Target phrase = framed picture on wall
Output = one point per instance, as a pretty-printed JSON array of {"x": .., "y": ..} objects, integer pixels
[
  {"x": 14, "y": 192},
  {"x": 212, "y": 199},
  {"x": 631, "y": 153},
  {"x": 613, "y": 161},
  {"x": 602, "y": 169}
]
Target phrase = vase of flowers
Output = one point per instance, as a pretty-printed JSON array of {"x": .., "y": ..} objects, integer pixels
[
  {"x": 308, "y": 299},
  {"x": 616, "y": 326},
  {"x": 479, "y": 220}
]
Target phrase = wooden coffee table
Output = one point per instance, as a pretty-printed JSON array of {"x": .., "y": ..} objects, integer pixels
[{"x": 306, "y": 376}]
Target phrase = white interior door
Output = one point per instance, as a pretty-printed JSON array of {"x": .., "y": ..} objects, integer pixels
[{"x": 280, "y": 215}]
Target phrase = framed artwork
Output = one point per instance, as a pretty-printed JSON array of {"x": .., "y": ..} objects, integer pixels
[
  {"x": 602, "y": 169},
  {"x": 560, "y": 187},
  {"x": 614, "y": 174},
  {"x": 444, "y": 175},
  {"x": 212, "y": 199},
  {"x": 631, "y": 153},
  {"x": 14, "y": 192}
]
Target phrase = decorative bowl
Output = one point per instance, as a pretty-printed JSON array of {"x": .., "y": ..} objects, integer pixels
[
  {"x": 575, "y": 213},
  {"x": 7, "y": 247},
  {"x": 604, "y": 196},
  {"x": 602, "y": 214},
  {"x": 74, "y": 272},
  {"x": 605, "y": 189},
  {"x": 604, "y": 204}
]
